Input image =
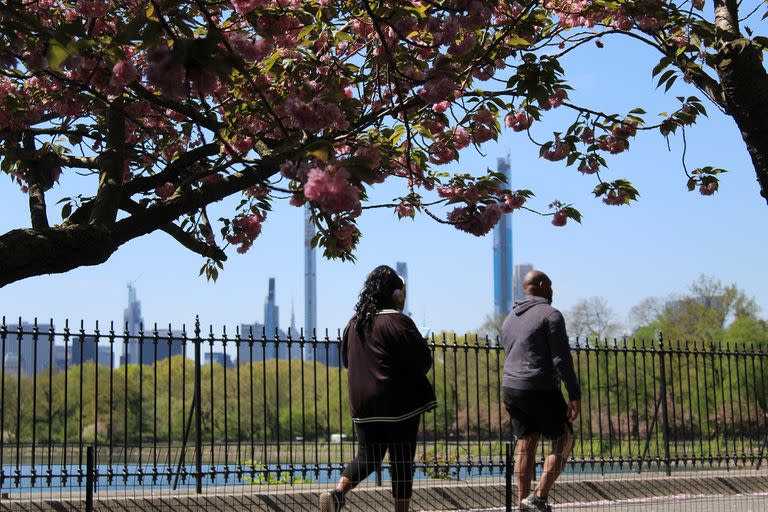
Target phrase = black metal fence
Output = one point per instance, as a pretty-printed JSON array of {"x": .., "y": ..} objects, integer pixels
[{"x": 192, "y": 408}]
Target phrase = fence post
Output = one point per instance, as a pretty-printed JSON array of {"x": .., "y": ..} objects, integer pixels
[
  {"x": 89, "y": 473},
  {"x": 198, "y": 393},
  {"x": 508, "y": 478},
  {"x": 663, "y": 398}
]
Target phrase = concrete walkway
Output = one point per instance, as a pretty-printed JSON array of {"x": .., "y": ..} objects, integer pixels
[{"x": 739, "y": 503}]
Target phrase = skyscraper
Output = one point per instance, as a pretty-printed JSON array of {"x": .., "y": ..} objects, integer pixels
[
  {"x": 27, "y": 351},
  {"x": 271, "y": 311},
  {"x": 502, "y": 256},
  {"x": 142, "y": 348},
  {"x": 402, "y": 269},
  {"x": 520, "y": 271},
  {"x": 133, "y": 324},
  {"x": 310, "y": 275}
]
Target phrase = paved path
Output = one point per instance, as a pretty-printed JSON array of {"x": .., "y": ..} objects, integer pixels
[{"x": 741, "y": 503}]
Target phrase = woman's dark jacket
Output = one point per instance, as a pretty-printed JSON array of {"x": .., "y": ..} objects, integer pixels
[{"x": 387, "y": 375}]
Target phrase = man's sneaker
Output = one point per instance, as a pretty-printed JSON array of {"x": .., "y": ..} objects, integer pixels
[
  {"x": 534, "y": 504},
  {"x": 331, "y": 501}
]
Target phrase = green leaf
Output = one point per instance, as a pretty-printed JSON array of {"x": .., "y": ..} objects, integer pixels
[
  {"x": 56, "y": 55},
  {"x": 66, "y": 211},
  {"x": 665, "y": 76},
  {"x": 670, "y": 82}
]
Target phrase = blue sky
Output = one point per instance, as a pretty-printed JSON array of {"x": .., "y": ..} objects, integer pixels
[{"x": 656, "y": 247}]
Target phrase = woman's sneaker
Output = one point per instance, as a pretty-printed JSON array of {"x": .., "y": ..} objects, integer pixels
[
  {"x": 331, "y": 501},
  {"x": 534, "y": 504}
]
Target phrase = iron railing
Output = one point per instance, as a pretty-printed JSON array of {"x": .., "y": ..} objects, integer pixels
[{"x": 198, "y": 408}]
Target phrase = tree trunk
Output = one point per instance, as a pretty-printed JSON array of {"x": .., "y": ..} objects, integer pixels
[{"x": 744, "y": 84}]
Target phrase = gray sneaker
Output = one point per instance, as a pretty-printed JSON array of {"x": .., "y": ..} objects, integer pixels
[
  {"x": 534, "y": 504},
  {"x": 331, "y": 501}
]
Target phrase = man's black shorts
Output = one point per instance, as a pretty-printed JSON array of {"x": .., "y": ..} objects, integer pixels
[{"x": 535, "y": 411}]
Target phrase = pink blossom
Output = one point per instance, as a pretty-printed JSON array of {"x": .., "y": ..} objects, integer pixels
[
  {"x": 513, "y": 202},
  {"x": 438, "y": 89},
  {"x": 625, "y": 130},
  {"x": 92, "y": 8},
  {"x": 560, "y": 218},
  {"x": 461, "y": 138},
  {"x": 558, "y": 151},
  {"x": 518, "y": 121},
  {"x": 615, "y": 198},
  {"x": 165, "y": 74},
  {"x": 589, "y": 166},
  {"x": 250, "y": 50},
  {"x": 482, "y": 134},
  {"x": 449, "y": 191},
  {"x": 245, "y": 6},
  {"x": 476, "y": 220},
  {"x": 557, "y": 99},
  {"x": 332, "y": 191},
  {"x": 404, "y": 210},
  {"x": 708, "y": 188},
  {"x": 441, "y": 154},
  {"x": 466, "y": 45},
  {"x": 245, "y": 229},
  {"x": 372, "y": 153},
  {"x": 123, "y": 73},
  {"x": 165, "y": 190},
  {"x": 297, "y": 199},
  {"x": 345, "y": 235},
  {"x": 440, "y": 107},
  {"x": 612, "y": 144}
]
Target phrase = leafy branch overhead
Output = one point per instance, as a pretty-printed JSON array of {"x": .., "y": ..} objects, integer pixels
[{"x": 170, "y": 106}]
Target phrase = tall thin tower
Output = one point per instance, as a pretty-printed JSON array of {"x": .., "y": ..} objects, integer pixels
[
  {"x": 310, "y": 275},
  {"x": 133, "y": 322},
  {"x": 502, "y": 256},
  {"x": 401, "y": 268}
]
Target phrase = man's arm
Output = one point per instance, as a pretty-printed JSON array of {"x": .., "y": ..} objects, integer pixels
[{"x": 561, "y": 354}]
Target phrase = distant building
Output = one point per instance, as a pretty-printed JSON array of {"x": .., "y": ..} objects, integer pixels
[
  {"x": 141, "y": 342},
  {"x": 87, "y": 350},
  {"x": 271, "y": 310},
  {"x": 133, "y": 321},
  {"x": 264, "y": 346},
  {"x": 520, "y": 271},
  {"x": 502, "y": 256},
  {"x": 36, "y": 353},
  {"x": 217, "y": 358},
  {"x": 310, "y": 275},
  {"x": 402, "y": 269}
]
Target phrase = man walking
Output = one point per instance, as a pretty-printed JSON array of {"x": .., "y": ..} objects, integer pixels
[{"x": 538, "y": 358}]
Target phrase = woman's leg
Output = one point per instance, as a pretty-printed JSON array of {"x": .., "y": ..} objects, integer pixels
[
  {"x": 370, "y": 452},
  {"x": 401, "y": 455}
]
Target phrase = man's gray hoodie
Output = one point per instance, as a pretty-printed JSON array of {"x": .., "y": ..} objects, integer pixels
[{"x": 536, "y": 346}]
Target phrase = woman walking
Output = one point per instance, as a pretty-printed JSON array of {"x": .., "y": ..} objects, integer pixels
[{"x": 387, "y": 361}]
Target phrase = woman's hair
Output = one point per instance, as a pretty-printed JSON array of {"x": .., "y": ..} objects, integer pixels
[{"x": 377, "y": 293}]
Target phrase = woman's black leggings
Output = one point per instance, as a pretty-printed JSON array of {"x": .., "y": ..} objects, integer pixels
[{"x": 374, "y": 441}]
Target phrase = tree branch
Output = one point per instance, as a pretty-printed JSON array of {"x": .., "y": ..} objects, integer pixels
[
  {"x": 188, "y": 240},
  {"x": 111, "y": 163}
]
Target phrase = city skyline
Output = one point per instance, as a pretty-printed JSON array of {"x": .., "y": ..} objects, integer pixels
[{"x": 649, "y": 246}]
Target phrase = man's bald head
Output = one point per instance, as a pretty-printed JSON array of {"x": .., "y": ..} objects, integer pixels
[{"x": 538, "y": 284}]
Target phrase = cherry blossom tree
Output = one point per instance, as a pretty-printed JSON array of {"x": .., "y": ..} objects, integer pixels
[{"x": 173, "y": 105}]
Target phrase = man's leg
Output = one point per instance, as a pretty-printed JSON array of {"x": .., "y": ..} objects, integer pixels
[
  {"x": 554, "y": 463},
  {"x": 525, "y": 462}
]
